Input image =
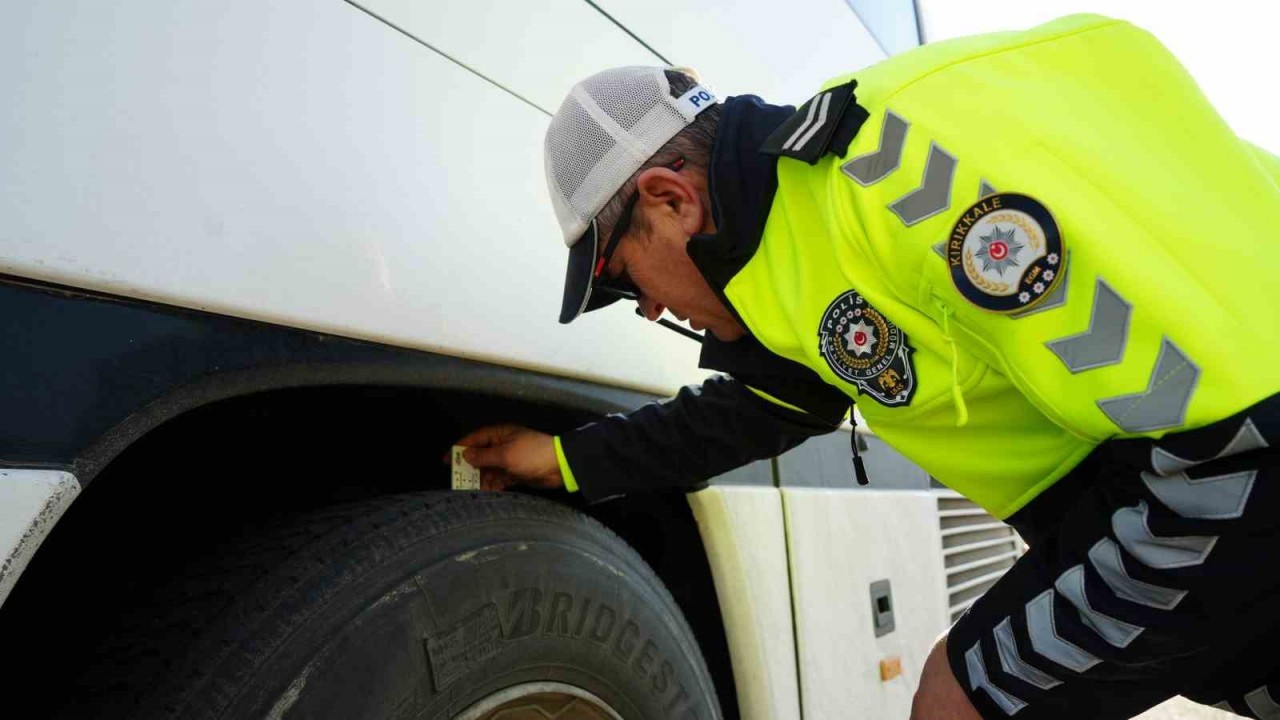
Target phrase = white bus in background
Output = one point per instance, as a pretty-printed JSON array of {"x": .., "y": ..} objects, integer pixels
[{"x": 262, "y": 262}]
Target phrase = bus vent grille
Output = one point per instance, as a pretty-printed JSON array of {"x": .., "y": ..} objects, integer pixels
[{"x": 976, "y": 549}]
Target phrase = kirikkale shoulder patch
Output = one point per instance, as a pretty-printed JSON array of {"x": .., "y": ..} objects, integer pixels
[
  {"x": 864, "y": 348},
  {"x": 1005, "y": 253}
]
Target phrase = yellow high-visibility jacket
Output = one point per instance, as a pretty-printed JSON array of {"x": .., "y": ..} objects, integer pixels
[{"x": 1117, "y": 281}]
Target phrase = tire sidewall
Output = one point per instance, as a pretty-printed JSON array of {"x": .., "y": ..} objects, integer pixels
[{"x": 424, "y": 621}]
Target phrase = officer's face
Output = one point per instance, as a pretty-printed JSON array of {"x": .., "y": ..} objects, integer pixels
[{"x": 672, "y": 207}]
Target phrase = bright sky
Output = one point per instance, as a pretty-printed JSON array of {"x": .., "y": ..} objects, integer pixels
[{"x": 1231, "y": 47}]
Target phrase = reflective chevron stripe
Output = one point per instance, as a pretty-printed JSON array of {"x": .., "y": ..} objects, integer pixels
[
  {"x": 1116, "y": 632},
  {"x": 1221, "y": 497},
  {"x": 1010, "y": 704},
  {"x": 1246, "y": 438},
  {"x": 985, "y": 189},
  {"x": 1164, "y": 403},
  {"x": 1013, "y": 663},
  {"x": 934, "y": 194},
  {"x": 874, "y": 167},
  {"x": 1104, "y": 342},
  {"x": 1162, "y": 553},
  {"x": 1046, "y": 641},
  {"x": 1262, "y": 704},
  {"x": 1105, "y": 556}
]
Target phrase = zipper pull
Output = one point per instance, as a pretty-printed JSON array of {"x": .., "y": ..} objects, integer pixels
[
  {"x": 957, "y": 398},
  {"x": 859, "y": 470}
]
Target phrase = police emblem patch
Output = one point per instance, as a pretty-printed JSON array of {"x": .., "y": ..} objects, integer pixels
[
  {"x": 1005, "y": 253},
  {"x": 864, "y": 348}
]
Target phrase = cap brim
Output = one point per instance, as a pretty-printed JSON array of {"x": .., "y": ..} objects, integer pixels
[{"x": 578, "y": 278}]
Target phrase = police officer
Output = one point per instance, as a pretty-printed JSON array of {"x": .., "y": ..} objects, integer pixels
[{"x": 1041, "y": 265}]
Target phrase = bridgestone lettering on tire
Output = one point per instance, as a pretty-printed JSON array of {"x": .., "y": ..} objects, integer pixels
[{"x": 434, "y": 606}]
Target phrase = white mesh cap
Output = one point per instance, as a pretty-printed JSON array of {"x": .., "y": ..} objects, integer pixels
[{"x": 605, "y": 130}]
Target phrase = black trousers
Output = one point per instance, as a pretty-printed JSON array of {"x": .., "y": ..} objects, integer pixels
[{"x": 1153, "y": 571}]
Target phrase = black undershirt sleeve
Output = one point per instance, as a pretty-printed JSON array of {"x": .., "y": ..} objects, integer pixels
[{"x": 703, "y": 431}]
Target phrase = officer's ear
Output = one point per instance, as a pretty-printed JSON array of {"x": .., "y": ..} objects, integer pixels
[{"x": 675, "y": 196}]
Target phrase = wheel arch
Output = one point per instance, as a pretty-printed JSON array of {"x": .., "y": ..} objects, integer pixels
[{"x": 217, "y": 403}]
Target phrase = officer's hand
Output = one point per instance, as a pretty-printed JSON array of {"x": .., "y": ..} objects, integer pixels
[{"x": 509, "y": 455}]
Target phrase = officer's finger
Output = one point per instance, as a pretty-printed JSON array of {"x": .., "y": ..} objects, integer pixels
[
  {"x": 486, "y": 457},
  {"x": 488, "y": 436}
]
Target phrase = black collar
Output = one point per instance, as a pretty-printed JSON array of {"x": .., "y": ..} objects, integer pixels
[{"x": 741, "y": 182}]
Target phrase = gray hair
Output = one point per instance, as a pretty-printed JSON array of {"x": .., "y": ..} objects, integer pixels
[{"x": 693, "y": 143}]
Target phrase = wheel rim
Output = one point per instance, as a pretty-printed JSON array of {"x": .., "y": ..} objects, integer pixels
[{"x": 540, "y": 701}]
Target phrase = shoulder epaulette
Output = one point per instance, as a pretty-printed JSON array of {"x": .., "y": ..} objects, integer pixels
[{"x": 826, "y": 123}]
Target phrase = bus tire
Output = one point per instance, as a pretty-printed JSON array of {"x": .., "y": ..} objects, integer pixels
[{"x": 450, "y": 605}]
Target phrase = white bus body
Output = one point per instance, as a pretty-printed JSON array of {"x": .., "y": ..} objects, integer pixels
[{"x": 373, "y": 171}]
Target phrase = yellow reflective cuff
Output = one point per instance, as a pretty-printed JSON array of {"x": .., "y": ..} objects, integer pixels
[
  {"x": 776, "y": 401},
  {"x": 566, "y": 473}
]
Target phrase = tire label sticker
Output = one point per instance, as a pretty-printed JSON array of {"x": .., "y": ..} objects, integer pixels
[{"x": 457, "y": 650}]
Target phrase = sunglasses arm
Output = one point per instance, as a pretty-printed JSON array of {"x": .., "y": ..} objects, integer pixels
[{"x": 672, "y": 326}]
